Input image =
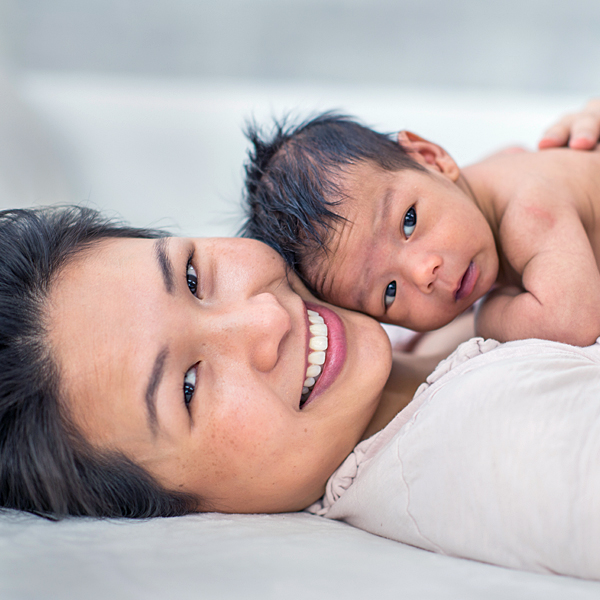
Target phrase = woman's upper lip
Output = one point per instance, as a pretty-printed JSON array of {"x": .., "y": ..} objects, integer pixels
[{"x": 335, "y": 355}]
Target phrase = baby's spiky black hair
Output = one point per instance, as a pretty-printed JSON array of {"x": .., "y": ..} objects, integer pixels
[{"x": 292, "y": 182}]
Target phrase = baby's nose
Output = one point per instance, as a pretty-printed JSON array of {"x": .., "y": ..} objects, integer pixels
[{"x": 425, "y": 272}]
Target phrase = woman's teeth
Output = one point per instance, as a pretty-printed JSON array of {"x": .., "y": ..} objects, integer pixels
[{"x": 318, "y": 344}]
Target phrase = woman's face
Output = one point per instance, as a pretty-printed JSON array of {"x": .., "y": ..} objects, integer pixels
[{"x": 190, "y": 356}]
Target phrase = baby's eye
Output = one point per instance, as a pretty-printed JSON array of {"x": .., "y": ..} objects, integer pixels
[
  {"x": 192, "y": 278},
  {"x": 189, "y": 385},
  {"x": 390, "y": 294},
  {"x": 410, "y": 221}
]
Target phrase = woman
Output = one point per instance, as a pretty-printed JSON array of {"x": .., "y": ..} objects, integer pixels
[
  {"x": 145, "y": 376},
  {"x": 166, "y": 375}
]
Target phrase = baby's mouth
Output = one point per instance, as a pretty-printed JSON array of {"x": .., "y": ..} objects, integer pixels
[
  {"x": 317, "y": 344},
  {"x": 467, "y": 283}
]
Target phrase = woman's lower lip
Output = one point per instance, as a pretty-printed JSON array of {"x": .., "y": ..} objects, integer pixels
[
  {"x": 336, "y": 350},
  {"x": 467, "y": 283}
]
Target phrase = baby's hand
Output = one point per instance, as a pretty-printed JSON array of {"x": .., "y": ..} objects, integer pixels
[{"x": 580, "y": 131}]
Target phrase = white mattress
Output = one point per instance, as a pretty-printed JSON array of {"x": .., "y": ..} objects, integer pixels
[
  {"x": 154, "y": 149},
  {"x": 291, "y": 557}
]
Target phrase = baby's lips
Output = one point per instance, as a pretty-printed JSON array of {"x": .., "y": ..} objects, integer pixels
[{"x": 467, "y": 283}]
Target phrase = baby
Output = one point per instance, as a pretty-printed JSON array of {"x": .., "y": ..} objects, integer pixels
[{"x": 395, "y": 229}]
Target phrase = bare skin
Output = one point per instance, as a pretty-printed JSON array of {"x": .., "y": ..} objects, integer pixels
[{"x": 545, "y": 217}]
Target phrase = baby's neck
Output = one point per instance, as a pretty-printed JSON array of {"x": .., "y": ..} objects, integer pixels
[{"x": 476, "y": 185}]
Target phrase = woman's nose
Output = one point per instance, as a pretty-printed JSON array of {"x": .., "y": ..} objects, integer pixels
[{"x": 249, "y": 331}]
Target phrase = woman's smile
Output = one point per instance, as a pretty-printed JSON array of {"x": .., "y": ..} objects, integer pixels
[
  {"x": 318, "y": 342},
  {"x": 327, "y": 353}
]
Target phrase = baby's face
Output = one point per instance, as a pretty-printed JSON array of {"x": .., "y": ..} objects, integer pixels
[{"x": 415, "y": 250}]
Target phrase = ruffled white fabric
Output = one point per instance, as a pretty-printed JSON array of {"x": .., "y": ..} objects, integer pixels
[
  {"x": 343, "y": 477},
  {"x": 497, "y": 458}
]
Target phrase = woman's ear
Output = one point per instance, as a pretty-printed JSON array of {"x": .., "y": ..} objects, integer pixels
[{"x": 428, "y": 154}]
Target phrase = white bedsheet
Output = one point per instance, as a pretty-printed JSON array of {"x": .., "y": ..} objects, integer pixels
[{"x": 262, "y": 557}]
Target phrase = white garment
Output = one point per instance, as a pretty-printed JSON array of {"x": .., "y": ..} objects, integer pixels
[{"x": 497, "y": 459}]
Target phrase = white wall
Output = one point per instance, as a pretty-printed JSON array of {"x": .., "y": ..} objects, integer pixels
[{"x": 535, "y": 45}]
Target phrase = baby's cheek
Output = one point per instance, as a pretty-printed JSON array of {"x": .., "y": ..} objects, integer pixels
[{"x": 347, "y": 301}]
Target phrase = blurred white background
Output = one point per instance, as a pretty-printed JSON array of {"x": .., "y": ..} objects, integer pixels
[
  {"x": 533, "y": 45},
  {"x": 145, "y": 100}
]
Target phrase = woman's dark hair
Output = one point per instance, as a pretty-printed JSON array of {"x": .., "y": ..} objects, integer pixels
[
  {"x": 291, "y": 186},
  {"x": 46, "y": 465}
]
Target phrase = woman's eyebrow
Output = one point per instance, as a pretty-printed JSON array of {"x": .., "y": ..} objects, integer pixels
[
  {"x": 165, "y": 264},
  {"x": 153, "y": 383}
]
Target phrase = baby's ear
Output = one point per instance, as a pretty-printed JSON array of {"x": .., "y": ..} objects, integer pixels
[{"x": 428, "y": 154}]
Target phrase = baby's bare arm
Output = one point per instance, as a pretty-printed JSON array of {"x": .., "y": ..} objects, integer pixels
[{"x": 559, "y": 298}]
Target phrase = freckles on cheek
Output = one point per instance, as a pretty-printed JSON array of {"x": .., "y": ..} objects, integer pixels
[{"x": 241, "y": 431}]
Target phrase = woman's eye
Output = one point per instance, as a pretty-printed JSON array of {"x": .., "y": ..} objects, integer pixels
[
  {"x": 390, "y": 294},
  {"x": 189, "y": 385},
  {"x": 192, "y": 278},
  {"x": 410, "y": 221}
]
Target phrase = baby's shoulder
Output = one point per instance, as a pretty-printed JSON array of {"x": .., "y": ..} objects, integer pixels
[
  {"x": 524, "y": 173},
  {"x": 548, "y": 186},
  {"x": 538, "y": 198}
]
